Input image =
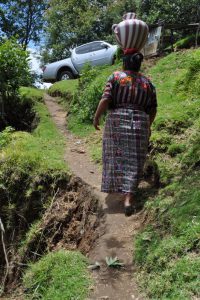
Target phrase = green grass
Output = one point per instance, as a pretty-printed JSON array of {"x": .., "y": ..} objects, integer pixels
[
  {"x": 44, "y": 148},
  {"x": 48, "y": 141},
  {"x": 177, "y": 109},
  {"x": 167, "y": 248},
  {"x": 176, "y": 80},
  {"x": 64, "y": 91},
  {"x": 79, "y": 128},
  {"x": 62, "y": 88},
  {"x": 57, "y": 275},
  {"x": 167, "y": 251},
  {"x": 34, "y": 94},
  {"x": 32, "y": 168}
]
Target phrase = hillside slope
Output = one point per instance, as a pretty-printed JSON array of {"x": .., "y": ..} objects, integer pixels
[
  {"x": 35, "y": 182},
  {"x": 167, "y": 251}
]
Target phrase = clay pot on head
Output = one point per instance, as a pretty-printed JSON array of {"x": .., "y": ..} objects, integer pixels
[{"x": 131, "y": 33}]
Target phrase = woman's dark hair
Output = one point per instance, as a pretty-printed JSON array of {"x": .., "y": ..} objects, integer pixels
[{"x": 132, "y": 61}]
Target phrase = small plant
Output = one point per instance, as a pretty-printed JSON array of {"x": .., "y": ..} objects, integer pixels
[{"x": 113, "y": 262}]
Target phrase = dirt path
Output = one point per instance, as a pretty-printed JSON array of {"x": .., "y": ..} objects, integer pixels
[{"x": 119, "y": 231}]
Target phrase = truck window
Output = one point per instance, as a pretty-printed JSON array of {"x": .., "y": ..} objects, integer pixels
[
  {"x": 97, "y": 46},
  {"x": 83, "y": 49}
]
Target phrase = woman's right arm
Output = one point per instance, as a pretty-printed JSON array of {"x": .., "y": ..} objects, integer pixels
[
  {"x": 102, "y": 107},
  {"x": 104, "y": 102}
]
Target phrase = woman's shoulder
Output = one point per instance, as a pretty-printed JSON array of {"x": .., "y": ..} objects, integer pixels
[{"x": 117, "y": 75}]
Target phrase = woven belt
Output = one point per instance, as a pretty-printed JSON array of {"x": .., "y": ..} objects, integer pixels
[{"x": 133, "y": 107}]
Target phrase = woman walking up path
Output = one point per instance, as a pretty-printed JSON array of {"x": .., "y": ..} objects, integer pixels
[{"x": 131, "y": 100}]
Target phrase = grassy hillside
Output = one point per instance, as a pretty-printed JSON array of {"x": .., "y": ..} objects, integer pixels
[
  {"x": 32, "y": 171},
  {"x": 167, "y": 249},
  {"x": 57, "y": 275}
]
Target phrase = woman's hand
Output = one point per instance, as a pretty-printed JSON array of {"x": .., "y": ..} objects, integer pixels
[
  {"x": 102, "y": 107},
  {"x": 96, "y": 123}
]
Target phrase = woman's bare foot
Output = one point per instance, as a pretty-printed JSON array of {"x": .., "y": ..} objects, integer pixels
[{"x": 128, "y": 201}]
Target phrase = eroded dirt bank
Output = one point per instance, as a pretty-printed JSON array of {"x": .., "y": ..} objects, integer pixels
[{"x": 71, "y": 222}]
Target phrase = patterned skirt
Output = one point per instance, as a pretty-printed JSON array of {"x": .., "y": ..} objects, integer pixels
[{"x": 125, "y": 144}]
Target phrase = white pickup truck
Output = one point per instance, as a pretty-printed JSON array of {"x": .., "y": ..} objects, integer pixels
[{"x": 95, "y": 53}]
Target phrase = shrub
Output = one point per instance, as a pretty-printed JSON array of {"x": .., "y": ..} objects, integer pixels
[
  {"x": 89, "y": 93},
  {"x": 14, "y": 71},
  {"x": 119, "y": 54},
  {"x": 14, "y": 68},
  {"x": 5, "y": 136},
  {"x": 90, "y": 89}
]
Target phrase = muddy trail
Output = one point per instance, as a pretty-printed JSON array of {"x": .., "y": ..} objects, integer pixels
[{"x": 116, "y": 231}]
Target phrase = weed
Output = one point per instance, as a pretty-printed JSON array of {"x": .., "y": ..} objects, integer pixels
[{"x": 113, "y": 262}]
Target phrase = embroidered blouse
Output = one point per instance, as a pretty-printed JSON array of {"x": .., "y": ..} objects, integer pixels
[{"x": 129, "y": 89}]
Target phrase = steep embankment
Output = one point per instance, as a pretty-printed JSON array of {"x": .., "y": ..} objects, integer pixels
[{"x": 167, "y": 249}]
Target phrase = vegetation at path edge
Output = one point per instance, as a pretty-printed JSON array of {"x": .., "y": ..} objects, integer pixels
[
  {"x": 30, "y": 177},
  {"x": 30, "y": 173},
  {"x": 58, "y": 274},
  {"x": 167, "y": 250}
]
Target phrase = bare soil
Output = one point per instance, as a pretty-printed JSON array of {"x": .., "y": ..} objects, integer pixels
[{"x": 116, "y": 232}]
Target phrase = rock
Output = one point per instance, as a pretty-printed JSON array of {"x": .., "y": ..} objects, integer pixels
[{"x": 78, "y": 150}]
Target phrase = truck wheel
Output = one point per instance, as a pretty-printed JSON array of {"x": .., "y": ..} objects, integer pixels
[{"x": 65, "y": 75}]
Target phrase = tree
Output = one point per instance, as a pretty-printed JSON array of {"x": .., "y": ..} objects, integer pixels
[
  {"x": 113, "y": 14},
  {"x": 176, "y": 11},
  {"x": 71, "y": 23},
  {"x": 23, "y": 19}
]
